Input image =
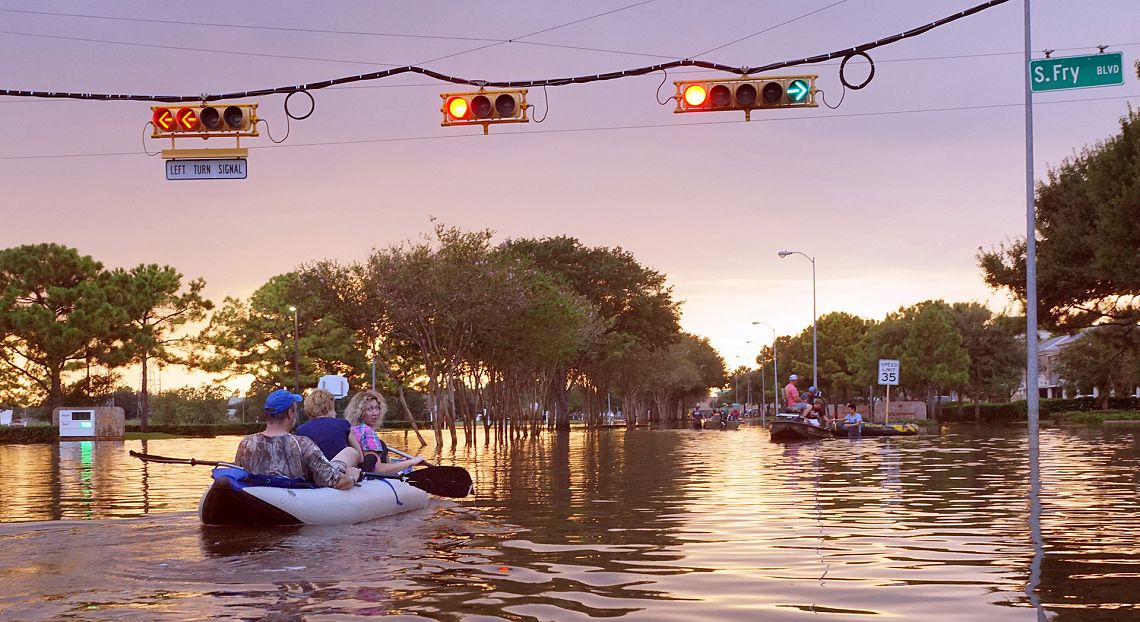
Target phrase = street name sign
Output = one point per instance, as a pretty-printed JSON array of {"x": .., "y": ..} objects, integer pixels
[
  {"x": 227, "y": 168},
  {"x": 1076, "y": 72},
  {"x": 889, "y": 372}
]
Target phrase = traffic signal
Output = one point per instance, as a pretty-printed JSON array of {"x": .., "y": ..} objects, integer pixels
[
  {"x": 204, "y": 121},
  {"x": 484, "y": 107},
  {"x": 745, "y": 94}
]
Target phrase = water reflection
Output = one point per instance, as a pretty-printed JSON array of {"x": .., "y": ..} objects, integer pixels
[{"x": 637, "y": 525}]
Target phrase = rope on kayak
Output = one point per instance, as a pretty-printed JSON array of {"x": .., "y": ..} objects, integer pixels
[{"x": 394, "y": 493}]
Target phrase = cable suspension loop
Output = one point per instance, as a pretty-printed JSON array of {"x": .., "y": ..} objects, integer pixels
[{"x": 859, "y": 50}]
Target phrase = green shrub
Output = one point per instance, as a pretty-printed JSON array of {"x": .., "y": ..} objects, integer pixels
[
  {"x": 206, "y": 404},
  {"x": 1095, "y": 417},
  {"x": 201, "y": 430},
  {"x": 30, "y": 434},
  {"x": 1007, "y": 412}
]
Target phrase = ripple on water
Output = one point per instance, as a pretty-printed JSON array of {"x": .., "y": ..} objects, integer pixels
[{"x": 638, "y": 525}]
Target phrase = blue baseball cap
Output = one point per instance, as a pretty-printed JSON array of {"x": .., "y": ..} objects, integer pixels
[{"x": 278, "y": 402}]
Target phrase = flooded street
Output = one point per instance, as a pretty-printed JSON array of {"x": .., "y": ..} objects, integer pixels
[{"x": 634, "y": 525}]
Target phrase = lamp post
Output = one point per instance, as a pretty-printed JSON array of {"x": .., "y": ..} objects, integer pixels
[
  {"x": 296, "y": 353},
  {"x": 775, "y": 370},
  {"x": 814, "y": 353}
]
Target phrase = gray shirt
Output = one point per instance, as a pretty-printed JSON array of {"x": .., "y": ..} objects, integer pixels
[{"x": 288, "y": 455}]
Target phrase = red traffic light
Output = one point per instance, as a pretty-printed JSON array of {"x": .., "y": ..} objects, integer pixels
[
  {"x": 484, "y": 107},
  {"x": 187, "y": 119},
  {"x": 163, "y": 119},
  {"x": 457, "y": 107},
  {"x": 204, "y": 121},
  {"x": 745, "y": 94},
  {"x": 695, "y": 95}
]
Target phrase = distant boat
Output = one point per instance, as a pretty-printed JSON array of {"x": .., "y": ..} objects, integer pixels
[{"x": 880, "y": 429}]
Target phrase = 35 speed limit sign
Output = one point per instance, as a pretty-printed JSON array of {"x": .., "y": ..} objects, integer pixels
[{"x": 889, "y": 372}]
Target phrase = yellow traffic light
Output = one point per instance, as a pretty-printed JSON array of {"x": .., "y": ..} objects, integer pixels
[
  {"x": 204, "y": 121},
  {"x": 745, "y": 94},
  {"x": 484, "y": 107}
]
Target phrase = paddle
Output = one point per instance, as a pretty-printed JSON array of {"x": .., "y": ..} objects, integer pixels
[
  {"x": 190, "y": 461},
  {"x": 441, "y": 481}
]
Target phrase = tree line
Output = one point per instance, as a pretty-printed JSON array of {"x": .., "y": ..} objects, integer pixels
[
  {"x": 498, "y": 334},
  {"x": 940, "y": 346}
]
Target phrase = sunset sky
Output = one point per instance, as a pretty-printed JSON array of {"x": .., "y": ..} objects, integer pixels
[{"x": 893, "y": 192}]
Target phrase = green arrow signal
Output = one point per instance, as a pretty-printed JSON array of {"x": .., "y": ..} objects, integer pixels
[{"x": 798, "y": 90}]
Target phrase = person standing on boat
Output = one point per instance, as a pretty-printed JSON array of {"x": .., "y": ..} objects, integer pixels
[
  {"x": 792, "y": 397},
  {"x": 365, "y": 412},
  {"x": 853, "y": 421},
  {"x": 275, "y": 451},
  {"x": 331, "y": 434}
]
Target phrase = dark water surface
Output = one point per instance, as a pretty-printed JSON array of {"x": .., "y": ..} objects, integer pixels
[{"x": 638, "y": 525}]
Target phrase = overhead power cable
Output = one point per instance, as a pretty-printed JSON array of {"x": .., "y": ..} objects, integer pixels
[
  {"x": 746, "y": 70},
  {"x": 362, "y": 33}
]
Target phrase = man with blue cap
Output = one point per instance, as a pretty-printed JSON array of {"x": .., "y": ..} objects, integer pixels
[{"x": 276, "y": 451}]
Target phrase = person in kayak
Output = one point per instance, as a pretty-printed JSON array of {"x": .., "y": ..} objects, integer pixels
[
  {"x": 365, "y": 412},
  {"x": 275, "y": 451},
  {"x": 329, "y": 432}
]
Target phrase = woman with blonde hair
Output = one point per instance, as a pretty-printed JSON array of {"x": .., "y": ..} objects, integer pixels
[
  {"x": 331, "y": 434},
  {"x": 365, "y": 412}
]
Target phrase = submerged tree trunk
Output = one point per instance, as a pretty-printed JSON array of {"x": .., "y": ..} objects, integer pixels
[
  {"x": 408, "y": 413},
  {"x": 143, "y": 401}
]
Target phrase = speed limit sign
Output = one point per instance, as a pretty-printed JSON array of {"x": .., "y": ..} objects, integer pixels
[{"x": 889, "y": 372}]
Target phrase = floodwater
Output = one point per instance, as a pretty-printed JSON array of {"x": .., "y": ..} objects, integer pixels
[{"x": 657, "y": 525}]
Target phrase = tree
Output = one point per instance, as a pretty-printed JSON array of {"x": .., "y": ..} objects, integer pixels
[
  {"x": 996, "y": 355},
  {"x": 932, "y": 354},
  {"x": 1088, "y": 270},
  {"x": 840, "y": 358},
  {"x": 204, "y": 404},
  {"x": 156, "y": 310},
  {"x": 1103, "y": 357},
  {"x": 57, "y": 307},
  {"x": 632, "y": 301},
  {"x": 257, "y": 337}
]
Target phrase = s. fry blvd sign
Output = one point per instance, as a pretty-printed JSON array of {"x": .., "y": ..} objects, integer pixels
[
  {"x": 1076, "y": 72},
  {"x": 228, "y": 168},
  {"x": 889, "y": 372}
]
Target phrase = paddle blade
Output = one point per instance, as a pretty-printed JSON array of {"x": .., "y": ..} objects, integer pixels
[{"x": 442, "y": 481}]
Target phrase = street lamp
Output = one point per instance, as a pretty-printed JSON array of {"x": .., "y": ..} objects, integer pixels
[
  {"x": 814, "y": 352},
  {"x": 296, "y": 353},
  {"x": 775, "y": 369}
]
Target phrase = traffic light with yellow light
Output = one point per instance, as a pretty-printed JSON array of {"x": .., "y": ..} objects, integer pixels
[
  {"x": 484, "y": 107},
  {"x": 745, "y": 94},
  {"x": 204, "y": 121}
]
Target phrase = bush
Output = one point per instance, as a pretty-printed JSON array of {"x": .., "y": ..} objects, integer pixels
[
  {"x": 1061, "y": 410},
  {"x": 201, "y": 430},
  {"x": 189, "y": 405},
  {"x": 1095, "y": 417},
  {"x": 1007, "y": 412},
  {"x": 30, "y": 434}
]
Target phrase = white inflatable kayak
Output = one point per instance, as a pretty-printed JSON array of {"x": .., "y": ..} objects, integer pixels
[{"x": 238, "y": 498}]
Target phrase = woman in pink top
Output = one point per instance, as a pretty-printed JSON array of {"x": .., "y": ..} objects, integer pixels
[{"x": 365, "y": 411}]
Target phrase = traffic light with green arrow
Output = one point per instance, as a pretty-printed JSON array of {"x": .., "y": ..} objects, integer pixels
[{"x": 745, "y": 94}]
